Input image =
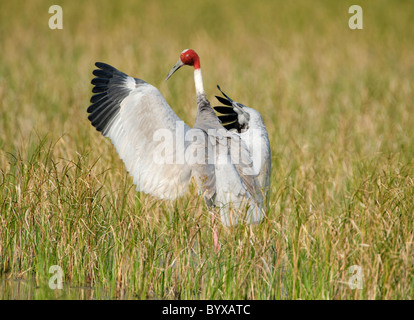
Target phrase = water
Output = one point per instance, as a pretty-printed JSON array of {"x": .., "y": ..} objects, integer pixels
[{"x": 30, "y": 289}]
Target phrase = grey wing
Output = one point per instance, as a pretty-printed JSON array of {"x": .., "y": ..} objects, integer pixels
[
  {"x": 257, "y": 142},
  {"x": 135, "y": 116},
  {"x": 237, "y": 187},
  {"x": 264, "y": 175},
  {"x": 255, "y": 137},
  {"x": 203, "y": 170}
]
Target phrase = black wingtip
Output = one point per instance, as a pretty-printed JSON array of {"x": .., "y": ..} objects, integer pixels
[
  {"x": 227, "y": 97},
  {"x": 224, "y": 110},
  {"x": 103, "y": 65},
  {"x": 104, "y": 105},
  {"x": 223, "y": 101}
]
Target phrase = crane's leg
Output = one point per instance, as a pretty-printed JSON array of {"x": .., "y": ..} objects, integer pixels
[{"x": 215, "y": 236}]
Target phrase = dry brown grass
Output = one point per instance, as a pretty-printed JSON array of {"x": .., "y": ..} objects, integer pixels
[{"x": 337, "y": 105}]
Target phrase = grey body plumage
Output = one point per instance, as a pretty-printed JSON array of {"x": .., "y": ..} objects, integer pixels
[{"x": 130, "y": 112}]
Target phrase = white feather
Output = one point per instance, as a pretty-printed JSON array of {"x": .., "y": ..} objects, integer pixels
[{"x": 142, "y": 112}]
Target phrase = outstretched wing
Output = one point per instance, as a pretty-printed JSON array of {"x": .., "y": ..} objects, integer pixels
[
  {"x": 257, "y": 142},
  {"x": 255, "y": 137},
  {"x": 237, "y": 186},
  {"x": 145, "y": 131}
]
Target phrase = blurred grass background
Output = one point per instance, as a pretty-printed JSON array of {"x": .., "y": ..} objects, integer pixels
[{"x": 337, "y": 104}]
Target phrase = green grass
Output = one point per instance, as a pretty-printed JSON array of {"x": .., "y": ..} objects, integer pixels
[{"x": 337, "y": 106}]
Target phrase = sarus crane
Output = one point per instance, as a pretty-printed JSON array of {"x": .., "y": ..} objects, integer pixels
[{"x": 228, "y": 154}]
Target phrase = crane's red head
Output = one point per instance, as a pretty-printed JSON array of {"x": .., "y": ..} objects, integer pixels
[{"x": 188, "y": 57}]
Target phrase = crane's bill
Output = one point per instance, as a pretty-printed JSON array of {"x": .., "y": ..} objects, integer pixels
[{"x": 177, "y": 66}]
